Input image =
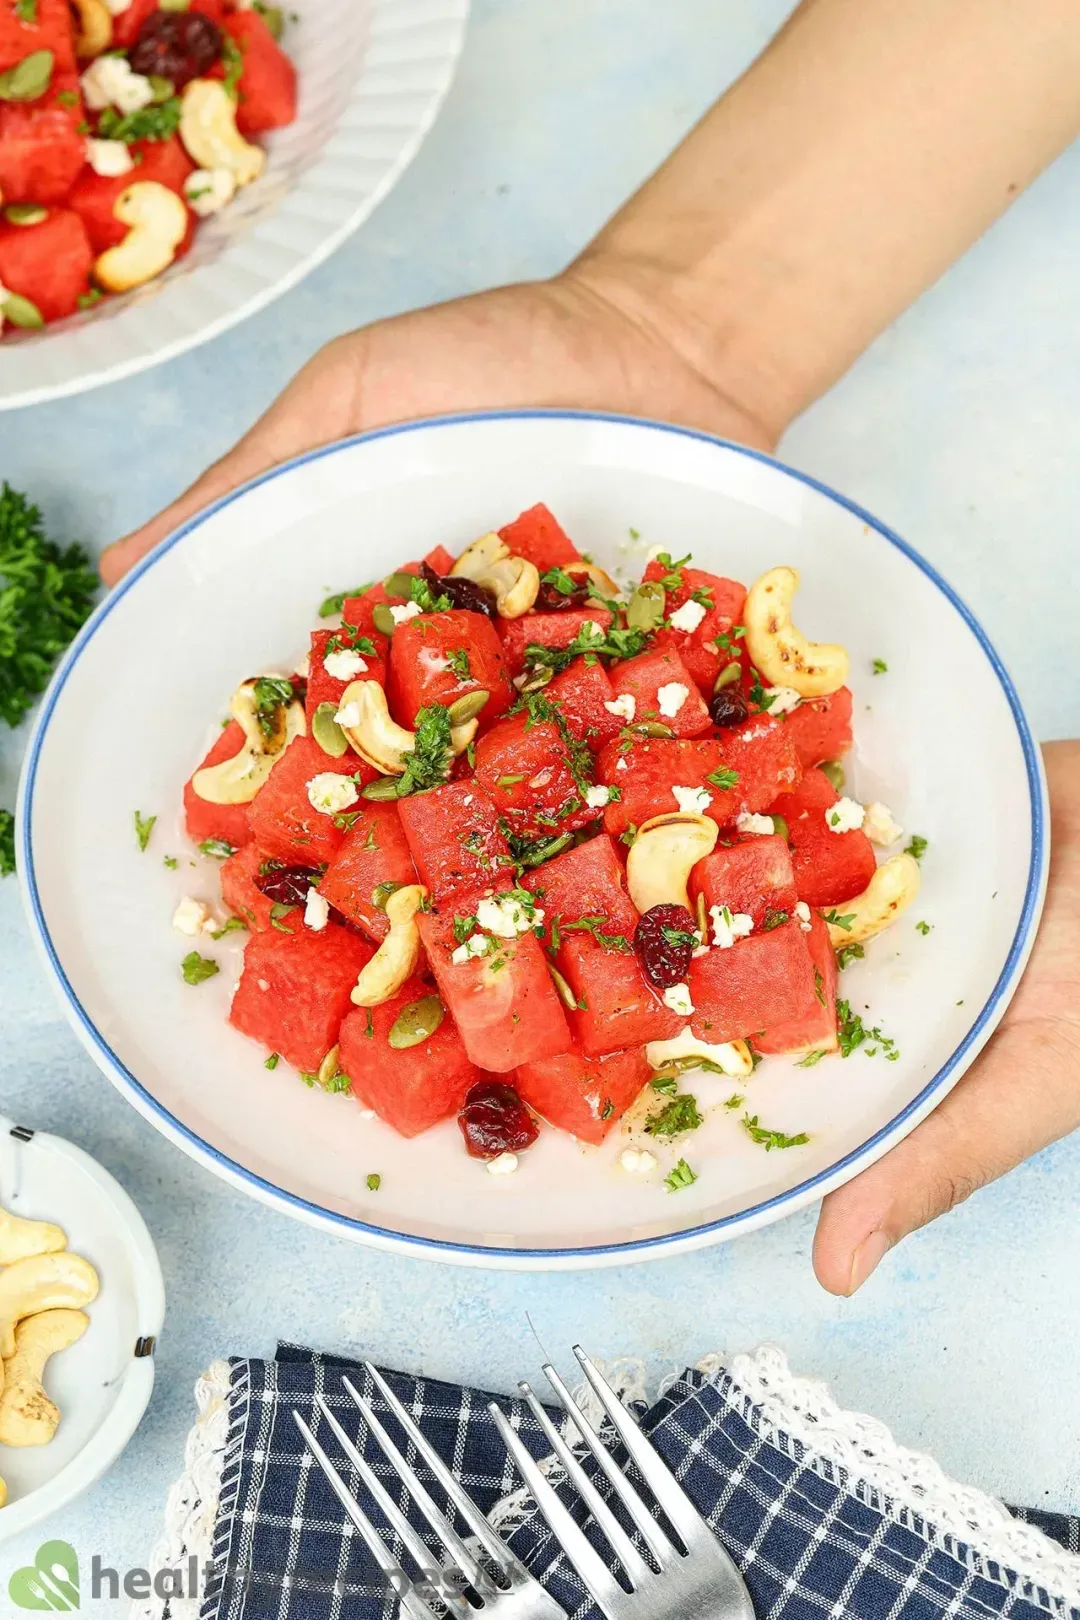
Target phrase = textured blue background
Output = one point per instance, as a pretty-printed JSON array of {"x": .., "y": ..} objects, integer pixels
[{"x": 959, "y": 429}]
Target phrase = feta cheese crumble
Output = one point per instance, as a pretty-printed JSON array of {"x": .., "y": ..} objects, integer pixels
[
  {"x": 879, "y": 826},
  {"x": 345, "y": 664},
  {"x": 193, "y": 917},
  {"x": 316, "y": 910},
  {"x": 110, "y": 159},
  {"x": 670, "y": 698},
  {"x": 475, "y": 945},
  {"x": 111, "y": 82},
  {"x": 781, "y": 699},
  {"x": 625, "y": 706},
  {"x": 753, "y": 826},
  {"x": 208, "y": 191},
  {"x": 728, "y": 926},
  {"x": 506, "y": 916},
  {"x": 348, "y": 715},
  {"x": 802, "y": 912},
  {"x": 637, "y": 1161},
  {"x": 677, "y": 997},
  {"x": 504, "y": 1165},
  {"x": 597, "y": 797},
  {"x": 401, "y": 612},
  {"x": 330, "y": 793},
  {"x": 621, "y": 765},
  {"x": 687, "y": 617},
  {"x": 692, "y": 801},
  {"x": 846, "y": 815}
]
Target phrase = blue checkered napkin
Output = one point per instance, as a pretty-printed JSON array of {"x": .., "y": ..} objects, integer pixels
[{"x": 811, "y": 1547}]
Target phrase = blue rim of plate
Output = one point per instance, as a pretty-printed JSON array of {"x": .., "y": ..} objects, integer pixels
[{"x": 636, "y": 1247}]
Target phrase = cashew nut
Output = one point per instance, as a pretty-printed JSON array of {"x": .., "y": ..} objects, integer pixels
[
  {"x": 397, "y": 956},
  {"x": 237, "y": 780},
  {"x": 44, "y": 1282},
  {"x": 27, "y": 1416},
  {"x": 21, "y": 1239},
  {"x": 158, "y": 222},
  {"x": 733, "y": 1057},
  {"x": 376, "y": 735},
  {"x": 890, "y": 891},
  {"x": 208, "y": 131},
  {"x": 95, "y": 30},
  {"x": 515, "y": 581},
  {"x": 779, "y": 651},
  {"x": 662, "y": 856}
]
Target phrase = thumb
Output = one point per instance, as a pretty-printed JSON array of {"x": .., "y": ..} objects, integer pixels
[{"x": 1021, "y": 1095}]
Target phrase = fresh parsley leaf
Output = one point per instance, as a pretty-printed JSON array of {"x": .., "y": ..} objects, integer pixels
[
  {"x": 668, "y": 1084},
  {"x": 819, "y": 985},
  {"x": 144, "y": 826},
  {"x": 917, "y": 847},
  {"x": 374, "y": 1182},
  {"x": 839, "y": 921},
  {"x": 45, "y": 595},
  {"x": 196, "y": 968},
  {"x": 94, "y": 295},
  {"x": 229, "y": 926},
  {"x": 628, "y": 835},
  {"x": 853, "y": 1033},
  {"x": 155, "y": 123},
  {"x": 810, "y": 1059},
  {"x": 7, "y": 843},
  {"x": 334, "y": 603},
  {"x": 233, "y": 59},
  {"x": 879, "y": 666},
  {"x": 218, "y": 848},
  {"x": 723, "y": 779},
  {"x": 774, "y": 919},
  {"x": 425, "y": 598},
  {"x": 679, "y": 1116},
  {"x": 923, "y": 928},
  {"x": 680, "y": 937},
  {"x": 594, "y": 926},
  {"x": 272, "y": 1061},
  {"x": 271, "y": 691},
  {"x": 464, "y": 928},
  {"x": 428, "y": 765},
  {"x": 736, "y": 1100},
  {"x": 338, "y": 1082},
  {"x": 672, "y": 578},
  {"x": 848, "y": 954},
  {"x": 458, "y": 659},
  {"x": 591, "y": 642},
  {"x": 681, "y": 1176},
  {"x": 559, "y": 580},
  {"x": 171, "y": 862},
  {"x": 26, "y": 10},
  {"x": 769, "y": 1139}
]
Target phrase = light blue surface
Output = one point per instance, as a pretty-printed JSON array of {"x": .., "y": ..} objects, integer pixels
[{"x": 959, "y": 430}]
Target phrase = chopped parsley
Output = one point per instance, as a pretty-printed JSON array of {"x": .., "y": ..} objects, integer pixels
[
  {"x": 594, "y": 926},
  {"x": 774, "y": 919},
  {"x": 917, "y": 847},
  {"x": 334, "y": 603},
  {"x": 374, "y": 1182},
  {"x": 144, "y": 826},
  {"x": 628, "y": 835},
  {"x": 672, "y": 578},
  {"x": 154, "y": 123},
  {"x": 810, "y": 1059},
  {"x": 196, "y": 968},
  {"x": 736, "y": 1100},
  {"x": 839, "y": 921},
  {"x": 923, "y": 927},
  {"x": 464, "y": 928},
  {"x": 682, "y": 1176},
  {"x": 559, "y": 580},
  {"x": 218, "y": 848},
  {"x": 591, "y": 642},
  {"x": 425, "y": 598},
  {"x": 87, "y": 300},
  {"x": 171, "y": 862},
  {"x": 680, "y": 1115},
  {"x": 428, "y": 765},
  {"x": 7, "y": 843},
  {"x": 45, "y": 595},
  {"x": 271, "y": 691},
  {"x": 233, "y": 60},
  {"x": 819, "y": 985},
  {"x": 26, "y": 10},
  {"x": 272, "y": 1061},
  {"x": 769, "y": 1139},
  {"x": 458, "y": 659},
  {"x": 680, "y": 937},
  {"x": 723, "y": 779},
  {"x": 879, "y": 666},
  {"x": 229, "y": 926},
  {"x": 853, "y": 1033},
  {"x": 278, "y": 910},
  {"x": 511, "y": 780},
  {"x": 848, "y": 954}
]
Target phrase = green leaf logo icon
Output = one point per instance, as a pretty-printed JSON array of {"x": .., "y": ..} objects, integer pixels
[{"x": 50, "y": 1582}]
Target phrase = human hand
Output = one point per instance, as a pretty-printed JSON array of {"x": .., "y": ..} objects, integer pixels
[{"x": 1020, "y": 1095}]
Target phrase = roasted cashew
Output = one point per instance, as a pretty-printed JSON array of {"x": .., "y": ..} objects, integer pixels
[
  {"x": 95, "y": 30},
  {"x": 27, "y": 1416},
  {"x": 378, "y": 738},
  {"x": 515, "y": 581},
  {"x": 662, "y": 856},
  {"x": 21, "y": 1239},
  {"x": 397, "y": 956},
  {"x": 733, "y": 1057},
  {"x": 237, "y": 780},
  {"x": 890, "y": 891},
  {"x": 778, "y": 650},
  {"x": 209, "y": 133},
  {"x": 44, "y": 1282},
  {"x": 157, "y": 221}
]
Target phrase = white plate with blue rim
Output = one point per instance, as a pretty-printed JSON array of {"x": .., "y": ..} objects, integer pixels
[{"x": 237, "y": 588}]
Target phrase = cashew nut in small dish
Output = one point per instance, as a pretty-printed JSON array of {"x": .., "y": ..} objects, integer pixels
[
  {"x": 268, "y": 729},
  {"x": 397, "y": 956},
  {"x": 27, "y": 1416},
  {"x": 663, "y": 855},
  {"x": 157, "y": 223},
  {"x": 514, "y": 581},
  {"x": 209, "y": 133},
  {"x": 95, "y": 30},
  {"x": 44, "y": 1282},
  {"x": 890, "y": 891},
  {"x": 685, "y": 1049},
  {"x": 20, "y": 1239},
  {"x": 783, "y": 654},
  {"x": 376, "y": 735}
]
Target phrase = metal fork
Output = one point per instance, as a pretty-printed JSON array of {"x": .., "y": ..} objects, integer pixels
[
  {"x": 520, "y": 1596},
  {"x": 697, "y": 1582}
]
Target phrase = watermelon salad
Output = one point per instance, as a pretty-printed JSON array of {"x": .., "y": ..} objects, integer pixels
[
  {"x": 122, "y": 123},
  {"x": 516, "y": 845}
]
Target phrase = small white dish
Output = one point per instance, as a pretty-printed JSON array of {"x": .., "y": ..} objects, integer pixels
[
  {"x": 102, "y": 1384},
  {"x": 941, "y": 738},
  {"x": 372, "y": 76}
]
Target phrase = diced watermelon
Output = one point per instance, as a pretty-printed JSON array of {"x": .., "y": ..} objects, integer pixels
[
  {"x": 325, "y": 688},
  {"x": 48, "y": 263},
  {"x": 525, "y": 768},
  {"x": 815, "y": 1030},
  {"x": 283, "y": 820},
  {"x": 94, "y": 195},
  {"x": 554, "y": 630},
  {"x": 440, "y": 560},
  {"x": 584, "y": 1095},
  {"x": 756, "y": 983},
  {"x": 821, "y": 729},
  {"x": 51, "y": 28},
  {"x": 504, "y": 1004},
  {"x": 763, "y": 754},
  {"x": 423, "y": 655},
  {"x": 411, "y": 1087},
  {"x": 645, "y": 772},
  {"x": 240, "y": 894},
  {"x": 375, "y": 851},
  {"x": 586, "y": 881},
  {"x": 454, "y": 836},
  {"x": 618, "y": 1006},
  {"x": 537, "y": 537},
  {"x": 643, "y": 677},
  {"x": 267, "y": 84},
  {"x": 711, "y": 645},
  {"x": 41, "y": 150},
  {"x": 581, "y": 693},
  {"x": 753, "y": 876},
  {"x": 229, "y": 822},
  {"x": 830, "y": 867},
  {"x": 294, "y": 990}
]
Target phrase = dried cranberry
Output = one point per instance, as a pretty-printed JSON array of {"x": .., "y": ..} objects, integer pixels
[
  {"x": 665, "y": 941},
  {"x": 494, "y": 1120},
  {"x": 463, "y": 593},
  {"x": 728, "y": 707},
  {"x": 176, "y": 45},
  {"x": 549, "y": 599},
  {"x": 287, "y": 885},
  {"x": 299, "y": 686}
]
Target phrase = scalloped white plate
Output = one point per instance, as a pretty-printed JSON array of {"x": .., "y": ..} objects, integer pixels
[
  {"x": 236, "y": 589},
  {"x": 373, "y": 75}
]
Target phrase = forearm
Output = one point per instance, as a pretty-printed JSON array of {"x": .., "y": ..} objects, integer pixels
[{"x": 868, "y": 147}]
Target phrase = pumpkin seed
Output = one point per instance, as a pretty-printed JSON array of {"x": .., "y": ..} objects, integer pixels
[
  {"x": 383, "y": 619},
  {"x": 25, "y": 214},
  {"x": 835, "y": 772},
  {"x": 399, "y": 584},
  {"x": 28, "y": 79},
  {"x": 326, "y": 731},
  {"x": 174, "y": 5},
  {"x": 21, "y": 312},
  {"x": 417, "y": 1022},
  {"x": 162, "y": 88},
  {"x": 566, "y": 995},
  {"x": 467, "y": 707},
  {"x": 382, "y": 892},
  {"x": 780, "y": 827},
  {"x": 538, "y": 678},
  {"x": 653, "y": 728},
  {"x": 386, "y": 787},
  {"x": 646, "y": 606},
  {"x": 274, "y": 18},
  {"x": 727, "y": 677}
]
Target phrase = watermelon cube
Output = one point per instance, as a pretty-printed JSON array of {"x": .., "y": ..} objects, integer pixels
[
  {"x": 241, "y": 894},
  {"x": 753, "y": 876},
  {"x": 644, "y": 677},
  {"x": 581, "y": 694},
  {"x": 455, "y": 839},
  {"x": 228, "y": 822},
  {"x": 618, "y": 1007},
  {"x": 41, "y": 149},
  {"x": 49, "y": 263},
  {"x": 49, "y": 28},
  {"x": 441, "y": 560},
  {"x": 586, "y": 881},
  {"x": 830, "y": 867},
  {"x": 374, "y": 851},
  {"x": 294, "y": 990},
  {"x": 584, "y": 1095},
  {"x": 413, "y": 1087},
  {"x": 553, "y": 630},
  {"x": 644, "y": 773},
  {"x": 815, "y": 1029},
  {"x": 821, "y": 729},
  {"x": 538, "y": 537},
  {"x": 756, "y": 983},
  {"x": 322, "y": 687},
  {"x": 283, "y": 820},
  {"x": 440, "y": 657},
  {"x": 706, "y": 649},
  {"x": 533, "y": 779},
  {"x": 267, "y": 84}
]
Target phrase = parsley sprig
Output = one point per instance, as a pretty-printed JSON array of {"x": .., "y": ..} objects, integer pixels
[
  {"x": 7, "y": 843},
  {"x": 46, "y": 592},
  {"x": 155, "y": 123},
  {"x": 770, "y": 1139}
]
